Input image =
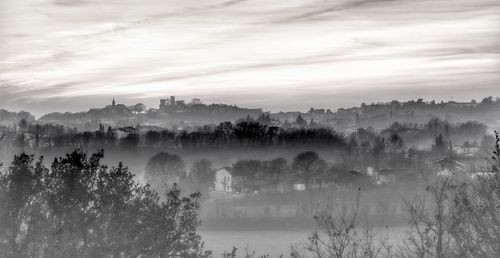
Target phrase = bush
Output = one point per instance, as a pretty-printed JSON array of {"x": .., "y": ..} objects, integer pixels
[
  {"x": 457, "y": 216},
  {"x": 79, "y": 207}
]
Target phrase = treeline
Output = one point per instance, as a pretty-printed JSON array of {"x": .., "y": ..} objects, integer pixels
[
  {"x": 364, "y": 145},
  {"x": 485, "y": 104},
  {"x": 276, "y": 175},
  {"x": 242, "y": 134},
  {"x": 417, "y": 133},
  {"x": 78, "y": 207},
  {"x": 165, "y": 169},
  {"x": 9, "y": 117}
]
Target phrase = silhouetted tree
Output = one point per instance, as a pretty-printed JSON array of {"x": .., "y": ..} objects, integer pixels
[
  {"x": 152, "y": 138},
  {"x": 110, "y": 137},
  {"x": 247, "y": 170},
  {"x": 23, "y": 125},
  {"x": 202, "y": 175},
  {"x": 249, "y": 133},
  {"x": 164, "y": 169},
  {"x": 439, "y": 145},
  {"x": 81, "y": 208},
  {"x": 264, "y": 119},
  {"x": 301, "y": 122},
  {"x": 378, "y": 151},
  {"x": 307, "y": 165},
  {"x": 277, "y": 169},
  {"x": 224, "y": 133},
  {"x": 130, "y": 142},
  {"x": 20, "y": 206}
]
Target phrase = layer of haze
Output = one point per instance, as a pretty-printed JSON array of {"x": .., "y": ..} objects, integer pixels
[{"x": 59, "y": 55}]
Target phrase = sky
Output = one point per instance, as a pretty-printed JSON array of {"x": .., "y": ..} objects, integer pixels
[{"x": 71, "y": 55}]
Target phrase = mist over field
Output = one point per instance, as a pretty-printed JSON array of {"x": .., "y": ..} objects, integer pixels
[{"x": 370, "y": 174}]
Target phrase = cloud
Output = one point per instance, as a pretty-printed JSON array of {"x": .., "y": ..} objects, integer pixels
[
  {"x": 330, "y": 7},
  {"x": 253, "y": 52}
]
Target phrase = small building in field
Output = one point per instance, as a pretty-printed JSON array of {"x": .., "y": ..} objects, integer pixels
[
  {"x": 223, "y": 180},
  {"x": 122, "y": 132},
  {"x": 466, "y": 150},
  {"x": 450, "y": 165},
  {"x": 299, "y": 187}
]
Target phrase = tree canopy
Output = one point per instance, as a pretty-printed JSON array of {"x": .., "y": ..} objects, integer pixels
[{"x": 81, "y": 208}]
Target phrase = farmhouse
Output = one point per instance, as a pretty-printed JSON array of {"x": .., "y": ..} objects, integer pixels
[{"x": 223, "y": 180}]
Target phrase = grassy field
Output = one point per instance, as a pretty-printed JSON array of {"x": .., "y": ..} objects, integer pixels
[{"x": 273, "y": 242}]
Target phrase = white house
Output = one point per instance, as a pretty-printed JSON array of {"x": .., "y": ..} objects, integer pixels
[
  {"x": 466, "y": 150},
  {"x": 223, "y": 180},
  {"x": 124, "y": 131}
]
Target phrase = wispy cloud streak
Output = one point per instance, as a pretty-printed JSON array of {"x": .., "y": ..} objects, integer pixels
[{"x": 228, "y": 50}]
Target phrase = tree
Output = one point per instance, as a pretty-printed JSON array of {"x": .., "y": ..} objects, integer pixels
[
  {"x": 396, "y": 149},
  {"x": 352, "y": 148},
  {"x": 196, "y": 101},
  {"x": 81, "y": 208},
  {"x": 130, "y": 142},
  {"x": 202, "y": 175},
  {"x": 475, "y": 211},
  {"x": 152, "y": 138},
  {"x": 301, "y": 122},
  {"x": 378, "y": 151},
  {"x": 277, "y": 169},
  {"x": 264, "y": 119},
  {"x": 338, "y": 234},
  {"x": 247, "y": 170},
  {"x": 460, "y": 217},
  {"x": 306, "y": 165},
  {"x": 20, "y": 189},
  {"x": 429, "y": 221},
  {"x": 439, "y": 144},
  {"x": 110, "y": 137},
  {"x": 139, "y": 108},
  {"x": 164, "y": 169},
  {"x": 224, "y": 132},
  {"x": 249, "y": 132},
  {"x": 23, "y": 124}
]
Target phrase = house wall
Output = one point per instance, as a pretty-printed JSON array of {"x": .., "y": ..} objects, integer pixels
[{"x": 223, "y": 181}]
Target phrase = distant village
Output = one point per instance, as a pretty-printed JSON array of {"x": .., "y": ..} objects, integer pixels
[
  {"x": 171, "y": 106},
  {"x": 174, "y": 112}
]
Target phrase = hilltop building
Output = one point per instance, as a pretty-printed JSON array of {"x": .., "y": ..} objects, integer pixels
[
  {"x": 115, "y": 106},
  {"x": 173, "y": 106}
]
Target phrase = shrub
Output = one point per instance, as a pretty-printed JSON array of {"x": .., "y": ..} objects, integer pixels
[{"x": 79, "y": 207}]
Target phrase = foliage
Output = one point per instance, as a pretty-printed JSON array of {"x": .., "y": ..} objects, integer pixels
[
  {"x": 201, "y": 177},
  {"x": 247, "y": 170},
  {"x": 164, "y": 169},
  {"x": 308, "y": 164},
  {"x": 81, "y": 208}
]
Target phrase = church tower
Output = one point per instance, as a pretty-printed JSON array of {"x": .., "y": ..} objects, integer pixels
[{"x": 113, "y": 103}]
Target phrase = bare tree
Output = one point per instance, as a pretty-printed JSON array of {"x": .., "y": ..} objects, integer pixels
[
  {"x": 338, "y": 234},
  {"x": 460, "y": 218},
  {"x": 428, "y": 218},
  {"x": 164, "y": 169}
]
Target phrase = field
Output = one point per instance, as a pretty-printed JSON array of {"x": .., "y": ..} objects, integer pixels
[{"x": 272, "y": 242}]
